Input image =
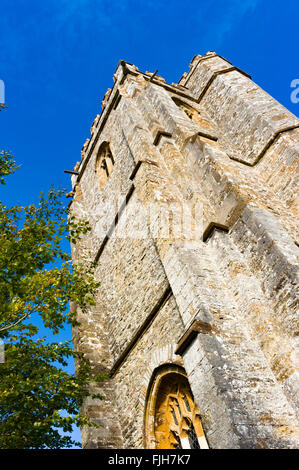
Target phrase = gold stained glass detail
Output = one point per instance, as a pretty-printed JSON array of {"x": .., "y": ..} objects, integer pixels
[{"x": 176, "y": 417}]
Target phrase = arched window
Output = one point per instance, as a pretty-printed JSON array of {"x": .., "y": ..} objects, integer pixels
[
  {"x": 192, "y": 113},
  {"x": 104, "y": 164},
  {"x": 172, "y": 419}
]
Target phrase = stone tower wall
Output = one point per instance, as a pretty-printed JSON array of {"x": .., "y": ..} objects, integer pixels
[{"x": 217, "y": 297}]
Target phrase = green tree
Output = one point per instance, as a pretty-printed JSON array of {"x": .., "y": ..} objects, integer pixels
[{"x": 38, "y": 398}]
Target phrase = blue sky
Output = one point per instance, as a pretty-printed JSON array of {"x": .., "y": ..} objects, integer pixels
[{"x": 58, "y": 58}]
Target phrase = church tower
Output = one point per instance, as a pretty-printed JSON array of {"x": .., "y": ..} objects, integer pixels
[{"x": 190, "y": 192}]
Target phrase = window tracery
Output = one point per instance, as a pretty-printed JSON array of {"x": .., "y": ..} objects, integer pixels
[
  {"x": 174, "y": 417},
  {"x": 192, "y": 113},
  {"x": 104, "y": 164}
]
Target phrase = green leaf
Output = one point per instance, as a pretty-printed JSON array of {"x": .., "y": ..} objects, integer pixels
[{"x": 38, "y": 398}]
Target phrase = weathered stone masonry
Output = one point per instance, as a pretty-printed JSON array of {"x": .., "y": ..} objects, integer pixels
[{"x": 220, "y": 307}]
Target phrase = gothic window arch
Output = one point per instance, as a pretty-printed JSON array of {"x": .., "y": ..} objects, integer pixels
[
  {"x": 172, "y": 418},
  {"x": 192, "y": 113},
  {"x": 104, "y": 164}
]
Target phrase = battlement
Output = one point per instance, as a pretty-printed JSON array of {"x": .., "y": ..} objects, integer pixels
[{"x": 193, "y": 86}]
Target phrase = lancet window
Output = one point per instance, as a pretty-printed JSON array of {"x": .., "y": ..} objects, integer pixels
[{"x": 104, "y": 164}]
